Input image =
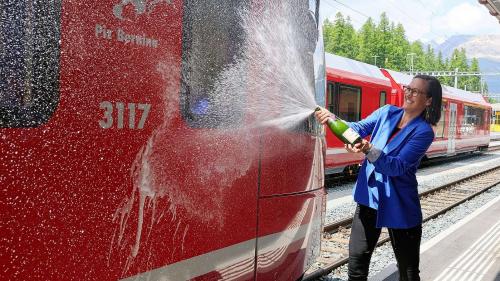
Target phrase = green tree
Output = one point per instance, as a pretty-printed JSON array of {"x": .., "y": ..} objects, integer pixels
[
  {"x": 474, "y": 82},
  {"x": 382, "y": 39},
  {"x": 366, "y": 41},
  {"x": 398, "y": 49},
  {"x": 446, "y": 80},
  {"x": 429, "y": 61},
  {"x": 458, "y": 62},
  {"x": 328, "y": 36},
  {"x": 441, "y": 65},
  {"x": 340, "y": 37},
  {"x": 417, "y": 53},
  {"x": 387, "y": 43},
  {"x": 351, "y": 47}
]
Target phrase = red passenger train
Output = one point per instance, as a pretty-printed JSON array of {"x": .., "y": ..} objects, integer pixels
[
  {"x": 355, "y": 89},
  {"x": 117, "y": 164}
]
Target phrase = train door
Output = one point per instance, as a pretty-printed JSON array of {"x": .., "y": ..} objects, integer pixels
[
  {"x": 452, "y": 130},
  {"x": 290, "y": 193}
]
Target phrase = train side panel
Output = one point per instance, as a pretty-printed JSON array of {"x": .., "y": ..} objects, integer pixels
[
  {"x": 129, "y": 175},
  {"x": 98, "y": 190},
  {"x": 462, "y": 128}
]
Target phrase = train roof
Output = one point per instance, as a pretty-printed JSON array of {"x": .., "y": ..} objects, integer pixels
[
  {"x": 399, "y": 77},
  {"x": 448, "y": 91},
  {"x": 357, "y": 69},
  {"x": 466, "y": 96}
]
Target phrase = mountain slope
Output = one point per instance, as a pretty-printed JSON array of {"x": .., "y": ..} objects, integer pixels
[{"x": 484, "y": 47}]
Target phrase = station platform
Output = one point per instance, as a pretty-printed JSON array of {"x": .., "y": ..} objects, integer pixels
[
  {"x": 494, "y": 136},
  {"x": 469, "y": 250}
]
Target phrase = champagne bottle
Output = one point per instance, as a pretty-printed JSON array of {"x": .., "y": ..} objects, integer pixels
[{"x": 342, "y": 131}]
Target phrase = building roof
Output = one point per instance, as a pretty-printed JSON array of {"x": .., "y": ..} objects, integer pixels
[
  {"x": 495, "y": 106},
  {"x": 493, "y": 6}
]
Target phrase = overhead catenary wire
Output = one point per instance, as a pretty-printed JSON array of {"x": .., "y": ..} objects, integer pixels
[
  {"x": 388, "y": 11},
  {"x": 350, "y": 8},
  {"x": 351, "y": 18}
]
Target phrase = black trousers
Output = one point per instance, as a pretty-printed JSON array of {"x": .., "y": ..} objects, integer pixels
[{"x": 364, "y": 237}]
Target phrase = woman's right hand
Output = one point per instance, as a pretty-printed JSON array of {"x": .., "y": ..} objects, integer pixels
[{"x": 323, "y": 114}]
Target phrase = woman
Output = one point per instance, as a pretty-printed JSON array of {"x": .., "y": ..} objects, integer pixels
[{"x": 386, "y": 188}]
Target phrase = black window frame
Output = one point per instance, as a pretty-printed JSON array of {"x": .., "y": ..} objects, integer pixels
[
  {"x": 330, "y": 90},
  {"x": 336, "y": 101}
]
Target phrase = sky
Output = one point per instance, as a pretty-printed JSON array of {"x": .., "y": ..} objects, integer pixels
[{"x": 425, "y": 20}]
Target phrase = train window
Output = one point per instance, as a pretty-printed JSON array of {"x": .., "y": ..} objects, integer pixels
[
  {"x": 441, "y": 122},
  {"x": 330, "y": 103},
  {"x": 212, "y": 42},
  {"x": 29, "y": 55},
  {"x": 473, "y": 116},
  {"x": 214, "y": 72},
  {"x": 383, "y": 98},
  {"x": 348, "y": 102}
]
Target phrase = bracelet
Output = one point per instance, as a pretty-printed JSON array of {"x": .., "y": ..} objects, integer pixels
[{"x": 368, "y": 151}]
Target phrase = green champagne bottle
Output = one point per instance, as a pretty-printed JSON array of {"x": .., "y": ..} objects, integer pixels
[{"x": 342, "y": 131}]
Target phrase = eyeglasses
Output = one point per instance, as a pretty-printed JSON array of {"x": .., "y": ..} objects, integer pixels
[{"x": 413, "y": 91}]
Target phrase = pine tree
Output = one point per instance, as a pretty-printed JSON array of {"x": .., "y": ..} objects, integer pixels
[
  {"x": 458, "y": 63},
  {"x": 417, "y": 52},
  {"x": 366, "y": 41},
  {"x": 430, "y": 61},
  {"x": 474, "y": 82},
  {"x": 382, "y": 38},
  {"x": 340, "y": 37},
  {"x": 399, "y": 48}
]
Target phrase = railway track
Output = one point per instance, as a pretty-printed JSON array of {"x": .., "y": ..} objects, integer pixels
[
  {"x": 335, "y": 239},
  {"x": 339, "y": 179},
  {"x": 494, "y": 148}
]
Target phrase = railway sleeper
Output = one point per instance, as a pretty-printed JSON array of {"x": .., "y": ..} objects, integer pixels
[
  {"x": 328, "y": 260},
  {"x": 339, "y": 240},
  {"x": 458, "y": 195},
  {"x": 340, "y": 251},
  {"x": 488, "y": 181},
  {"x": 440, "y": 201},
  {"x": 429, "y": 207},
  {"x": 434, "y": 204},
  {"x": 455, "y": 195},
  {"x": 436, "y": 198},
  {"x": 464, "y": 191}
]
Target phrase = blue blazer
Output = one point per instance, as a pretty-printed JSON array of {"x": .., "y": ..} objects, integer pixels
[{"x": 389, "y": 184}]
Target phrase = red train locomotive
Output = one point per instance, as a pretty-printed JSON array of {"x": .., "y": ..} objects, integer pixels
[
  {"x": 116, "y": 162},
  {"x": 355, "y": 89}
]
